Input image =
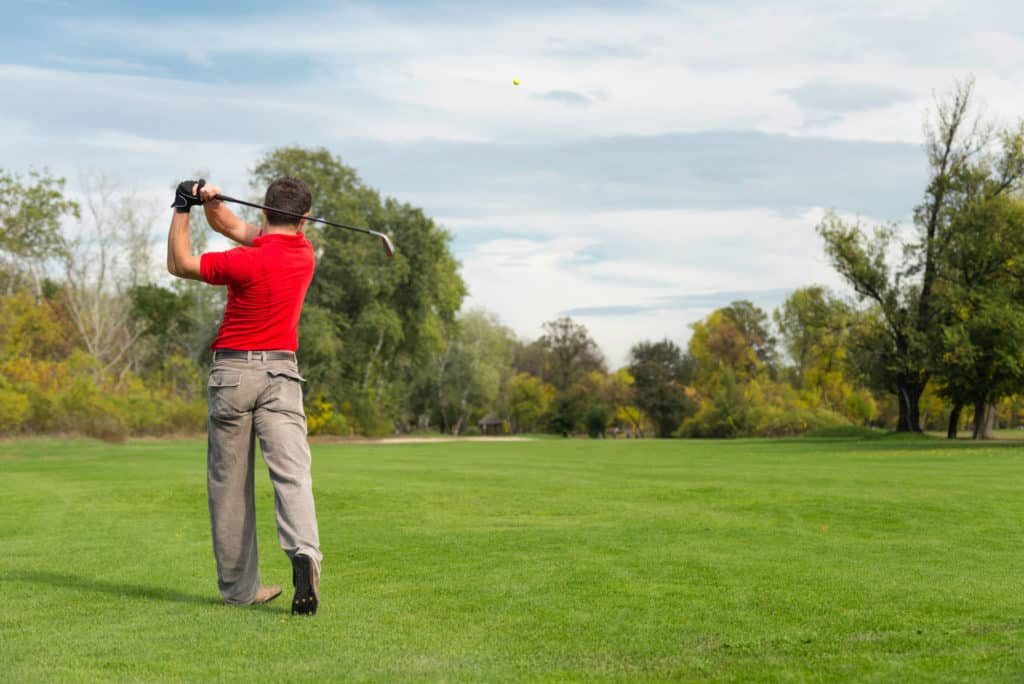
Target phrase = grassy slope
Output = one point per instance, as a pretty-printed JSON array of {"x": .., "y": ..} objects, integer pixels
[{"x": 554, "y": 560}]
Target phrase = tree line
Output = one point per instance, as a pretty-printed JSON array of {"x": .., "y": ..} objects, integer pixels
[{"x": 93, "y": 339}]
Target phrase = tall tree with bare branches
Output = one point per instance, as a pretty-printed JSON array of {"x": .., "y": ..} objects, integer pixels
[
  {"x": 106, "y": 258},
  {"x": 967, "y": 155}
]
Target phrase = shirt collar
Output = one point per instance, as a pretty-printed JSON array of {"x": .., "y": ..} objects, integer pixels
[{"x": 279, "y": 237}]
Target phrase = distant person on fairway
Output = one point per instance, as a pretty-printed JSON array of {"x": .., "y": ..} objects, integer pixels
[{"x": 255, "y": 388}]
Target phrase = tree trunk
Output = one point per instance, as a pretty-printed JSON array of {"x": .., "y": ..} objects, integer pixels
[
  {"x": 954, "y": 420},
  {"x": 909, "y": 395},
  {"x": 984, "y": 419},
  {"x": 373, "y": 358}
]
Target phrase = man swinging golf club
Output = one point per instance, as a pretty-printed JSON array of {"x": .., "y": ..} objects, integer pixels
[{"x": 254, "y": 387}]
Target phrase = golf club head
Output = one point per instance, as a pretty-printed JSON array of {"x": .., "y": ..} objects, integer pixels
[{"x": 389, "y": 248}]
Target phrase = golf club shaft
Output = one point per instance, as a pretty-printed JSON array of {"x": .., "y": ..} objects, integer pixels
[{"x": 388, "y": 247}]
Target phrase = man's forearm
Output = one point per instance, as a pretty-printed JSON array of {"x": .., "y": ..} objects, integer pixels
[
  {"x": 180, "y": 260},
  {"x": 225, "y": 222},
  {"x": 172, "y": 241},
  {"x": 219, "y": 217}
]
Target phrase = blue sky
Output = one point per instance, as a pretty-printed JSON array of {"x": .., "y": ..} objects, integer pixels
[{"x": 658, "y": 160}]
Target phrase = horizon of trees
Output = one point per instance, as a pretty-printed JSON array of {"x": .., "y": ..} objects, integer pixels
[{"x": 94, "y": 340}]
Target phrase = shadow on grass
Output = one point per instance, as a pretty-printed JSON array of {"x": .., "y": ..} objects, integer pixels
[{"x": 53, "y": 579}]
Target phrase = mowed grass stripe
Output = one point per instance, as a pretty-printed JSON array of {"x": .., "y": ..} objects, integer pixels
[{"x": 797, "y": 560}]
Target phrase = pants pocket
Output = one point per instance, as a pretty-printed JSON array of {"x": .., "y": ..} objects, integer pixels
[
  {"x": 223, "y": 390},
  {"x": 294, "y": 375},
  {"x": 286, "y": 391}
]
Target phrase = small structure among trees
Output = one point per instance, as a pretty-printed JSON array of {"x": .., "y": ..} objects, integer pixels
[{"x": 492, "y": 425}]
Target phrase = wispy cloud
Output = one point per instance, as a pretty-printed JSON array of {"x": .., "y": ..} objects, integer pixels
[
  {"x": 709, "y": 170},
  {"x": 567, "y": 97},
  {"x": 96, "y": 64},
  {"x": 845, "y": 97},
  {"x": 686, "y": 302}
]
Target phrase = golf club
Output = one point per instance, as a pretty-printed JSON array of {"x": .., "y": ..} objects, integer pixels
[{"x": 389, "y": 249}]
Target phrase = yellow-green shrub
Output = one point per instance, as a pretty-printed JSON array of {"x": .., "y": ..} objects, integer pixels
[
  {"x": 149, "y": 414},
  {"x": 323, "y": 419},
  {"x": 15, "y": 410},
  {"x": 85, "y": 410}
]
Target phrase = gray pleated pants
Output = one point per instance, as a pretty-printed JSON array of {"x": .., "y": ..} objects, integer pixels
[{"x": 250, "y": 399}]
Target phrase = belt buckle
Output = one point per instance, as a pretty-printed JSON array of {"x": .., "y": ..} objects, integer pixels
[{"x": 261, "y": 355}]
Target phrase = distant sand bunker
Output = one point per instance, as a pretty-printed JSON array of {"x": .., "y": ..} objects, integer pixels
[{"x": 420, "y": 440}]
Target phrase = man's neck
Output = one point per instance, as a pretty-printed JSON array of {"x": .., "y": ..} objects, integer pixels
[{"x": 280, "y": 230}]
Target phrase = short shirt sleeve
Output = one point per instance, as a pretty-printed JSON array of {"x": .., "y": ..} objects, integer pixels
[{"x": 233, "y": 267}]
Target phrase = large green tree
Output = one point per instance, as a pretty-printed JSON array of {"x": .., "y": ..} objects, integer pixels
[
  {"x": 474, "y": 379},
  {"x": 528, "y": 400},
  {"x": 384, "y": 315},
  {"x": 812, "y": 324},
  {"x": 734, "y": 337},
  {"x": 661, "y": 373},
  {"x": 163, "y": 319},
  {"x": 533, "y": 358},
  {"x": 980, "y": 354},
  {"x": 570, "y": 355},
  {"x": 753, "y": 323},
  {"x": 572, "y": 352},
  {"x": 967, "y": 159},
  {"x": 814, "y": 327}
]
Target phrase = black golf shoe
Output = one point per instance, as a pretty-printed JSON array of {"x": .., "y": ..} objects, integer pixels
[{"x": 306, "y": 579}]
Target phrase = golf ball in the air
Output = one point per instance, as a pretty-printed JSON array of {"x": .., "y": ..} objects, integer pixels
[{"x": 515, "y": 81}]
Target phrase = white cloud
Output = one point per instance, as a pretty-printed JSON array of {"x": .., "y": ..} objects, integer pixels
[
  {"x": 647, "y": 258},
  {"x": 668, "y": 68}
]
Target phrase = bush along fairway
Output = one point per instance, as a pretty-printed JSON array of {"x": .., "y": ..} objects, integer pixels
[{"x": 552, "y": 560}]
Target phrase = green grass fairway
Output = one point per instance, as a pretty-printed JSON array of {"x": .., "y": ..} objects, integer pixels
[{"x": 798, "y": 560}]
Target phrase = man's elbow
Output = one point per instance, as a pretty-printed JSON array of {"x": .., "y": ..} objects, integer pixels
[
  {"x": 188, "y": 267},
  {"x": 178, "y": 271}
]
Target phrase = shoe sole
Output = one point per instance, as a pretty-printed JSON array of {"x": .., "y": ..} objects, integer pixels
[
  {"x": 255, "y": 602},
  {"x": 307, "y": 586},
  {"x": 268, "y": 599}
]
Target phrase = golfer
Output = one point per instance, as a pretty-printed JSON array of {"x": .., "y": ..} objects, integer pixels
[{"x": 255, "y": 388}]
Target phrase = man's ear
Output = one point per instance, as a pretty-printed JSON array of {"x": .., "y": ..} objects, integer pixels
[{"x": 302, "y": 222}]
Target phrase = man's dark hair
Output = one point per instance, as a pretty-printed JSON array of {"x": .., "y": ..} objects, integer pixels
[{"x": 290, "y": 194}]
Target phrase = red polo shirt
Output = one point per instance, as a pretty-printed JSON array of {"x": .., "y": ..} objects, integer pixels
[{"x": 266, "y": 285}]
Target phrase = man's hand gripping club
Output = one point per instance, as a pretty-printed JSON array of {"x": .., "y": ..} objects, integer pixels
[{"x": 187, "y": 195}]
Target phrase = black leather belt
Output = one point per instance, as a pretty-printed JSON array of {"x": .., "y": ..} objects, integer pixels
[{"x": 253, "y": 355}]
